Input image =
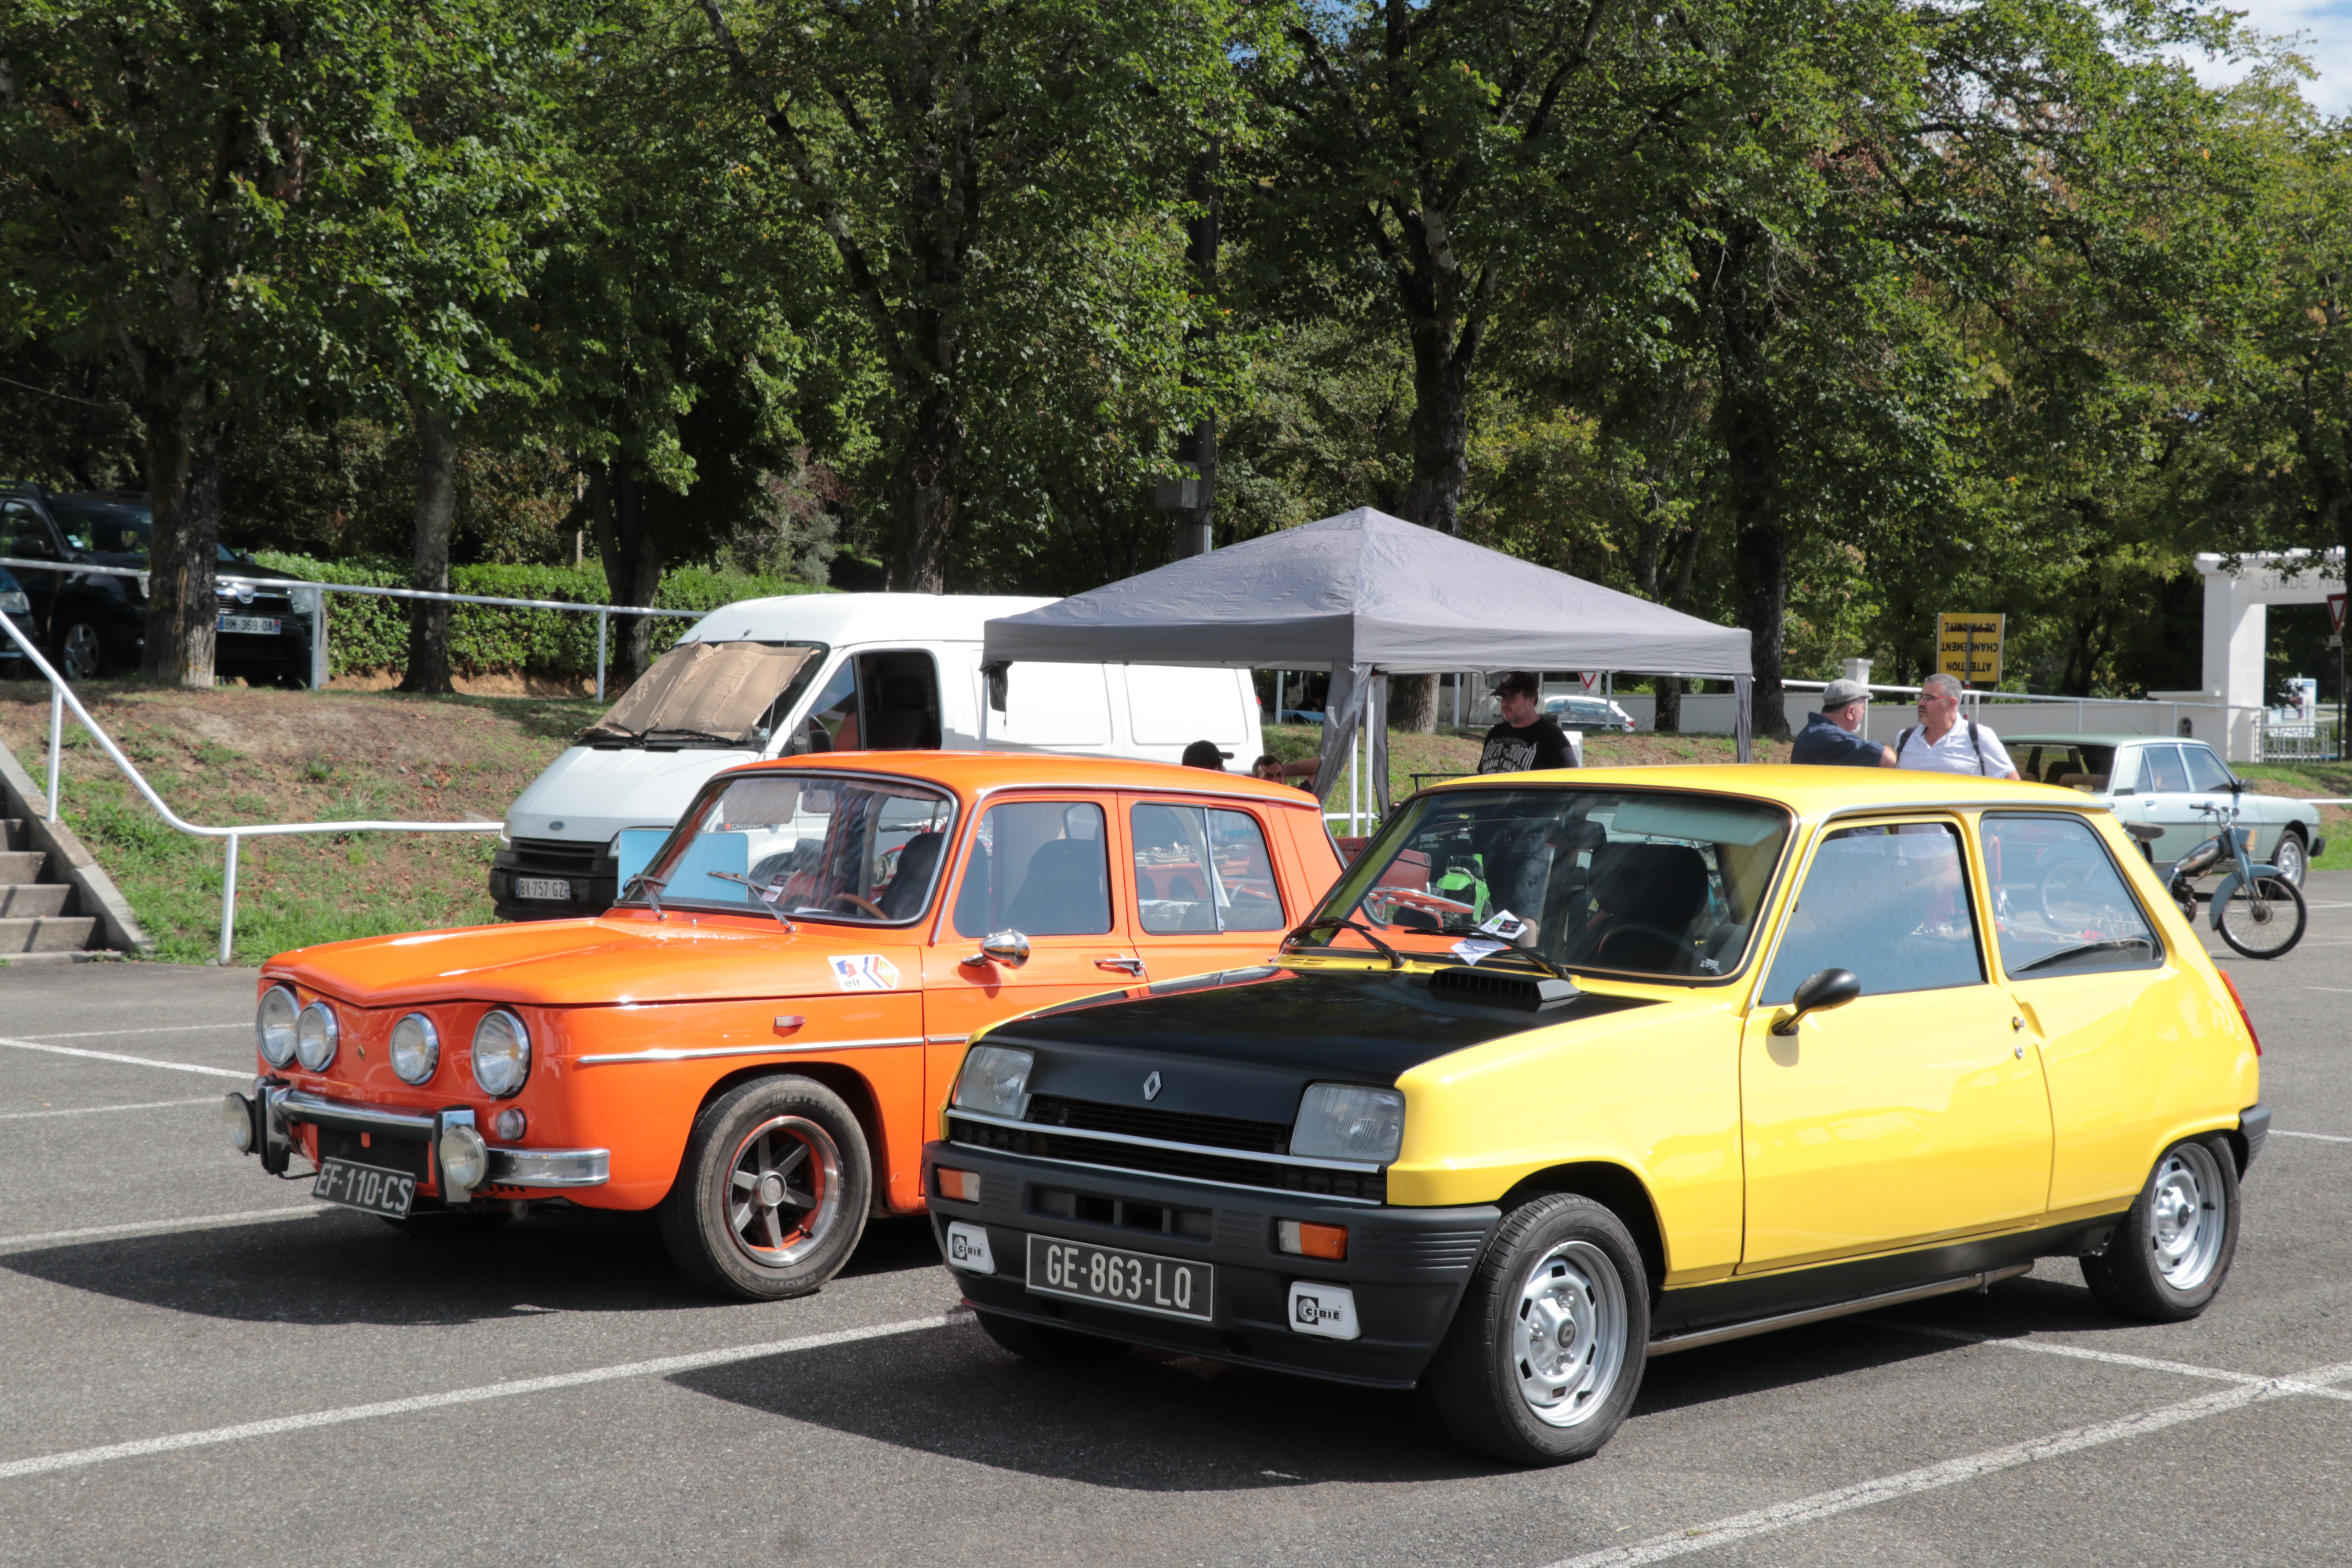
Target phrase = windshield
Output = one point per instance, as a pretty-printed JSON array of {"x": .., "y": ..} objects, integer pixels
[
  {"x": 724, "y": 695},
  {"x": 113, "y": 528},
  {"x": 819, "y": 846},
  {"x": 1650, "y": 882}
]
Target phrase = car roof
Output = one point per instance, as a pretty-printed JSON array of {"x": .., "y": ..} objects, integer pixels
[
  {"x": 2106, "y": 740},
  {"x": 1809, "y": 791},
  {"x": 978, "y": 772},
  {"x": 836, "y": 618}
]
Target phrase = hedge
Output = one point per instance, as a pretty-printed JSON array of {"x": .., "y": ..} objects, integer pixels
[{"x": 364, "y": 633}]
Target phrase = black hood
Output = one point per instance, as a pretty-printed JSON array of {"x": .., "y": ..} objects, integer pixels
[{"x": 1266, "y": 1032}]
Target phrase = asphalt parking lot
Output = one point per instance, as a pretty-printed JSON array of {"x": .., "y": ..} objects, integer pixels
[{"x": 203, "y": 1365}]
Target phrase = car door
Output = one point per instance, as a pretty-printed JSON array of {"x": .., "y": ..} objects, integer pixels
[
  {"x": 1040, "y": 866},
  {"x": 2165, "y": 801},
  {"x": 2079, "y": 956},
  {"x": 1204, "y": 889},
  {"x": 25, "y": 534},
  {"x": 2208, "y": 787},
  {"x": 1911, "y": 1113}
]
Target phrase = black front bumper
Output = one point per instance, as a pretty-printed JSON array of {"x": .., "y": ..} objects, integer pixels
[
  {"x": 593, "y": 879},
  {"x": 1407, "y": 1266}
]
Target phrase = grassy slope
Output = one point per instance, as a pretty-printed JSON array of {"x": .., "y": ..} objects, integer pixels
[
  {"x": 232, "y": 755},
  {"x": 2314, "y": 781}
]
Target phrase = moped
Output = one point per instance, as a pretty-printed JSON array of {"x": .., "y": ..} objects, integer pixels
[{"x": 2258, "y": 911}]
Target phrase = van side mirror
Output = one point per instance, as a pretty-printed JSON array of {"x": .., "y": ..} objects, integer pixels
[
  {"x": 1826, "y": 988},
  {"x": 1009, "y": 948}
]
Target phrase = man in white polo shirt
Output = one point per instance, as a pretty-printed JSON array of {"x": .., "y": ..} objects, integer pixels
[{"x": 1943, "y": 743}]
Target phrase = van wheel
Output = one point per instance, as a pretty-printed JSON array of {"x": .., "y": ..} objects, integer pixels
[
  {"x": 1547, "y": 1349},
  {"x": 1054, "y": 1347},
  {"x": 772, "y": 1193},
  {"x": 2174, "y": 1248}
]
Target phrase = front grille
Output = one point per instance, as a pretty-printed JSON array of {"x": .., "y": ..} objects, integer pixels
[
  {"x": 1193, "y": 1164},
  {"x": 1169, "y": 1126},
  {"x": 564, "y": 855}
]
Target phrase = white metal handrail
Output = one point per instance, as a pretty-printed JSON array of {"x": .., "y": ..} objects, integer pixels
[
  {"x": 603, "y": 613},
  {"x": 61, "y": 697}
]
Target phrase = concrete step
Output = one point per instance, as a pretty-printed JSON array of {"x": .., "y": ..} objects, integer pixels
[
  {"x": 21, "y": 864},
  {"x": 27, "y": 960},
  {"x": 26, "y": 898},
  {"x": 12, "y": 833},
  {"x": 55, "y": 933}
]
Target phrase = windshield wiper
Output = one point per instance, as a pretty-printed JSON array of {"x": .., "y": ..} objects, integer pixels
[
  {"x": 766, "y": 892},
  {"x": 653, "y": 886},
  {"x": 596, "y": 733},
  {"x": 1396, "y": 959},
  {"x": 1556, "y": 971}
]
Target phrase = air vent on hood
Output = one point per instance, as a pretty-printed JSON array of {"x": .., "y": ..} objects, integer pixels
[{"x": 1501, "y": 988}]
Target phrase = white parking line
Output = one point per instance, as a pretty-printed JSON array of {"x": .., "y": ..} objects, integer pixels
[
  {"x": 663, "y": 1367},
  {"x": 134, "y": 1061},
  {"x": 2323, "y": 1137},
  {"x": 193, "y": 1222},
  {"x": 94, "y": 1109},
  {"x": 1928, "y": 1477},
  {"x": 2112, "y": 1358},
  {"x": 164, "y": 1029}
]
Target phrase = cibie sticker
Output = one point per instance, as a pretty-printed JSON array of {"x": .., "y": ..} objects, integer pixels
[
  {"x": 968, "y": 1248},
  {"x": 865, "y": 972},
  {"x": 1327, "y": 1312}
]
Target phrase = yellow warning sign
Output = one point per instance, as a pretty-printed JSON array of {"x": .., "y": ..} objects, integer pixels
[{"x": 1969, "y": 645}]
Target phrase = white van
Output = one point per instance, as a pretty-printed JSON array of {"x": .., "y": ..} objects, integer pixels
[{"x": 821, "y": 672}]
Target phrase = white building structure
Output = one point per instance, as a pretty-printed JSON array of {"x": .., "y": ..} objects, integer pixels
[{"x": 2237, "y": 627}]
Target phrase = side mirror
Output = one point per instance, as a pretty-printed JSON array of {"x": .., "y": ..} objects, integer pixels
[
  {"x": 1826, "y": 988},
  {"x": 2145, "y": 832},
  {"x": 1009, "y": 948}
]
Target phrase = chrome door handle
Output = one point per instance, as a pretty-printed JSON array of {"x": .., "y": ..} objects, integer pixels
[{"x": 1133, "y": 966}]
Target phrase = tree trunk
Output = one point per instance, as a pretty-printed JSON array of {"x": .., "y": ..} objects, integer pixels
[
  {"x": 923, "y": 497},
  {"x": 184, "y": 448},
  {"x": 1440, "y": 434},
  {"x": 437, "y": 506},
  {"x": 631, "y": 559}
]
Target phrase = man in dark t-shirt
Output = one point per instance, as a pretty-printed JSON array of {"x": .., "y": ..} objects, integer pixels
[
  {"x": 1525, "y": 740},
  {"x": 1833, "y": 737}
]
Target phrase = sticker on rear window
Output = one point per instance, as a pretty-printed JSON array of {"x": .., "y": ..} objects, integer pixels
[{"x": 865, "y": 972}]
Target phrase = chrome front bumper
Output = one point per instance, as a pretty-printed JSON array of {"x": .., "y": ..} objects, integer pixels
[{"x": 278, "y": 1105}]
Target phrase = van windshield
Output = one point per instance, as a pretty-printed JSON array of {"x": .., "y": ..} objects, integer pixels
[
  {"x": 1649, "y": 882},
  {"x": 815, "y": 846},
  {"x": 716, "y": 695}
]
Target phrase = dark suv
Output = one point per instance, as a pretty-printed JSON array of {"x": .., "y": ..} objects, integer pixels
[{"x": 97, "y": 623}]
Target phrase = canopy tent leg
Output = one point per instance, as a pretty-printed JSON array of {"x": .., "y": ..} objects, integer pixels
[{"x": 1743, "y": 722}]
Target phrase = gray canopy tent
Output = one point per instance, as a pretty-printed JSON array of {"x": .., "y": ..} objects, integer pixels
[{"x": 1366, "y": 595}]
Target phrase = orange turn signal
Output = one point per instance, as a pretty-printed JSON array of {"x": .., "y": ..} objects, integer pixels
[
  {"x": 961, "y": 1185},
  {"x": 1310, "y": 1240}
]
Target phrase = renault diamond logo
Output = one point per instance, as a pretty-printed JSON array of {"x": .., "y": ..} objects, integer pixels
[{"x": 1152, "y": 1087}]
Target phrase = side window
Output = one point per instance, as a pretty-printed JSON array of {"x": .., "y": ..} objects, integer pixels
[
  {"x": 1890, "y": 903},
  {"x": 1201, "y": 869},
  {"x": 2206, "y": 774},
  {"x": 832, "y": 724},
  {"x": 1040, "y": 867},
  {"x": 902, "y": 702},
  {"x": 2065, "y": 908},
  {"x": 2160, "y": 772},
  {"x": 22, "y": 535}
]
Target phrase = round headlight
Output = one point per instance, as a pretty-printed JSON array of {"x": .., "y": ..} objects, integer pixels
[
  {"x": 464, "y": 1161},
  {"x": 236, "y": 1120},
  {"x": 416, "y": 1048},
  {"x": 315, "y": 1036},
  {"x": 502, "y": 1053},
  {"x": 273, "y": 1026}
]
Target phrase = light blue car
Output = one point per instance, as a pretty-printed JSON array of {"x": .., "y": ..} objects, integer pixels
[{"x": 2159, "y": 781}]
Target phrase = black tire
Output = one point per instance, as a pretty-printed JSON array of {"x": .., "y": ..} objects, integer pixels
[
  {"x": 2173, "y": 1249},
  {"x": 1492, "y": 1393},
  {"x": 1051, "y": 1346},
  {"x": 81, "y": 650},
  {"x": 773, "y": 1192},
  {"x": 2265, "y": 920}
]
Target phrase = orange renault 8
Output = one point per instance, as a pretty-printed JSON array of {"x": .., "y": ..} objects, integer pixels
[{"x": 758, "y": 1038}]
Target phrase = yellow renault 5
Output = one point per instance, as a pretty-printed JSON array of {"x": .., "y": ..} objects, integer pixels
[{"x": 1573, "y": 1070}]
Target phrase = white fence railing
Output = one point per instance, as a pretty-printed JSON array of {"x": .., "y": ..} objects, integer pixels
[
  {"x": 61, "y": 697},
  {"x": 603, "y": 613}
]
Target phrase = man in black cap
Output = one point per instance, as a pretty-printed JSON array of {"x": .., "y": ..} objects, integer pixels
[
  {"x": 1525, "y": 739},
  {"x": 1204, "y": 754},
  {"x": 1833, "y": 737}
]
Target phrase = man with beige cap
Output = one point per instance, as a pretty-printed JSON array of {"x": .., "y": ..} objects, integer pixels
[{"x": 1833, "y": 737}]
